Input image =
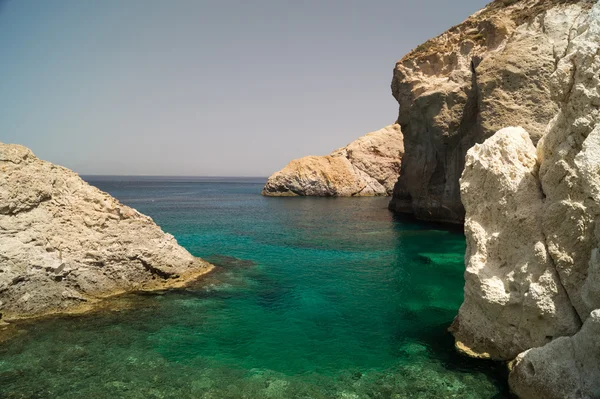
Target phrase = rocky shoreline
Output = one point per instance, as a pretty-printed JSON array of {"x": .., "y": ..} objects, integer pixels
[
  {"x": 65, "y": 245},
  {"x": 498, "y": 128},
  {"x": 111, "y": 302}
]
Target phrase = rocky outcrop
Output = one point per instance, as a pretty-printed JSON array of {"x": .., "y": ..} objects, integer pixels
[
  {"x": 368, "y": 166},
  {"x": 456, "y": 90},
  {"x": 533, "y": 236},
  {"x": 514, "y": 299},
  {"x": 65, "y": 244}
]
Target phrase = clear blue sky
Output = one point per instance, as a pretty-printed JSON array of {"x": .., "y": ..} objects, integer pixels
[{"x": 223, "y": 87}]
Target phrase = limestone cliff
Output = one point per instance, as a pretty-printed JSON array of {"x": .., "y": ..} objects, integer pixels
[
  {"x": 492, "y": 71},
  {"x": 65, "y": 244},
  {"x": 368, "y": 166},
  {"x": 533, "y": 237}
]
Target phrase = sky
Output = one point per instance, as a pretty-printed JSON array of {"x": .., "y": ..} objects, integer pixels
[{"x": 203, "y": 88}]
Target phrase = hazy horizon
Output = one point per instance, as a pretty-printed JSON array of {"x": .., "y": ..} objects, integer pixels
[{"x": 203, "y": 88}]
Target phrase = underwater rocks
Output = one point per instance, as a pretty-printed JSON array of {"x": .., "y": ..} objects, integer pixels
[
  {"x": 369, "y": 166},
  {"x": 533, "y": 237},
  {"x": 492, "y": 71},
  {"x": 65, "y": 244}
]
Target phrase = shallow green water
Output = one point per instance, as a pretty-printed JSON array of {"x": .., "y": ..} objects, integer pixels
[{"x": 314, "y": 298}]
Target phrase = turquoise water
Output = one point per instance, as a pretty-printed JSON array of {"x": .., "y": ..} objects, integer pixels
[{"x": 313, "y": 298}]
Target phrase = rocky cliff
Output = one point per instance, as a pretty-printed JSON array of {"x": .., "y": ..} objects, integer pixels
[
  {"x": 368, "y": 166},
  {"x": 532, "y": 287},
  {"x": 456, "y": 90},
  {"x": 65, "y": 244}
]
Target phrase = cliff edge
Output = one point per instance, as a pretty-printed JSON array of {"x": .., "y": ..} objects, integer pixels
[
  {"x": 456, "y": 90},
  {"x": 65, "y": 244}
]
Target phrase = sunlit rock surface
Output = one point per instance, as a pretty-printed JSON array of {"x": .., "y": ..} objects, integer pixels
[
  {"x": 369, "y": 166},
  {"x": 532, "y": 226},
  {"x": 514, "y": 299},
  {"x": 64, "y": 244}
]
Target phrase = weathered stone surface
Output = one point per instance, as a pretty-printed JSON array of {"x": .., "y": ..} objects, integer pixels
[
  {"x": 538, "y": 213},
  {"x": 569, "y": 156},
  {"x": 570, "y": 164},
  {"x": 456, "y": 90},
  {"x": 368, "y": 166},
  {"x": 568, "y": 367},
  {"x": 514, "y": 299},
  {"x": 64, "y": 244}
]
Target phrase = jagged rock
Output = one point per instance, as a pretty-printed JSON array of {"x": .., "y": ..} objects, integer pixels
[
  {"x": 368, "y": 166},
  {"x": 514, "y": 299},
  {"x": 458, "y": 89},
  {"x": 64, "y": 244},
  {"x": 554, "y": 205}
]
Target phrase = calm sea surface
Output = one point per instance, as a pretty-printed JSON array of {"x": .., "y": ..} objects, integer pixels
[{"x": 313, "y": 298}]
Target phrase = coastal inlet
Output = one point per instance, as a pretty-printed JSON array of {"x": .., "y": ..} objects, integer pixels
[{"x": 312, "y": 298}]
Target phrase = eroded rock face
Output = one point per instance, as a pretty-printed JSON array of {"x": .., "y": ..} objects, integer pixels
[
  {"x": 456, "y": 90},
  {"x": 368, "y": 166},
  {"x": 514, "y": 299},
  {"x": 533, "y": 231},
  {"x": 64, "y": 244},
  {"x": 568, "y": 367}
]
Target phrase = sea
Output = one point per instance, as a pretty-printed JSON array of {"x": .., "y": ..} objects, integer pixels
[{"x": 310, "y": 298}]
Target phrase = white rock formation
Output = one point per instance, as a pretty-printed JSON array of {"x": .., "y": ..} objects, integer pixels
[
  {"x": 65, "y": 244},
  {"x": 514, "y": 299},
  {"x": 543, "y": 222},
  {"x": 368, "y": 166}
]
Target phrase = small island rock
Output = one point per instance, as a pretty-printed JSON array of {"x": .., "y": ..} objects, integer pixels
[{"x": 369, "y": 166}]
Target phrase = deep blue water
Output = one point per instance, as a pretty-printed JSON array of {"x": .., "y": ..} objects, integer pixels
[{"x": 313, "y": 298}]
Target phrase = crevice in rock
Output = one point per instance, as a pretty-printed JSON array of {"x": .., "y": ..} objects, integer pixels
[
  {"x": 571, "y": 82},
  {"x": 543, "y": 197},
  {"x": 358, "y": 193},
  {"x": 558, "y": 278},
  {"x": 572, "y": 28},
  {"x": 153, "y": 270},
  {"x": 17, "y": 280},
  {"x": 25, "y": 157},
  {"x": 6, "y": 210}
]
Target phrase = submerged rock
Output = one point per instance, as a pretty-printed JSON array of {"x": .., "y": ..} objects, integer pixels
[
  {"x": 492, "y": 71},
  {"x": 64, "y": 244},
  {"x": 368, "y": 166},
  {"x": 532, "y": 226}
]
